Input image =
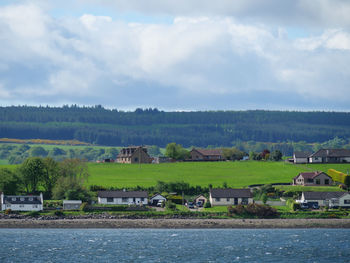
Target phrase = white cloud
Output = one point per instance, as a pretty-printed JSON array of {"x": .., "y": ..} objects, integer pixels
[{"x": 208, "y": 59}]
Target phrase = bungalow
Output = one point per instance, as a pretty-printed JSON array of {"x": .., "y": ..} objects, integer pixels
[
  {"x": 134, "y": 154},
  {"x": 313, "y": 179},
  {"x": 123, "y": 197},
  {"x": 156, "y": 198},
  {"x": 330, "y": 156},
  {"x": 200, "y": 198},
  {"x": 22, "y": 202},
  {"x": 301, "y": 157},
  {"x": 71, "y": 204},
  {"x": 230, "y": 196},
  {"x": 206, "y": 155},
  {"x": 332, "y": 199}
]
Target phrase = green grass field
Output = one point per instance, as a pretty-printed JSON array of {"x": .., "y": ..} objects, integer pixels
[{"x": 235, "y": 174}]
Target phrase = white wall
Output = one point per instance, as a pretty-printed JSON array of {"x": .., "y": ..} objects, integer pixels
[
  {"x": 119, "y": 201},
  {"x": 227, "y": 201},
  {"x": 25, "y": 207}
]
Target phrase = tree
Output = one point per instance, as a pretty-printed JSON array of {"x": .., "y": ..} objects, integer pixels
[
  {"x": 32, "y": 172},
  {"x": 70, "y": 188},
  {"x": 276, "y": 155},
  {"x": 37, "y": 151},
  {"x": 176, "y": 151},
  {"x": 9, "y": 182},
  {"x": 50, "y": 175},
  {"x": 74, "y": 168}
]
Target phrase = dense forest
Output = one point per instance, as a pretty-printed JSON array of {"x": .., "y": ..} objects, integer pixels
[{"x": 97, "y": 125}]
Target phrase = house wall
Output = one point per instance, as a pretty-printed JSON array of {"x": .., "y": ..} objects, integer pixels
[
  {"x": 315, "y": 160},
  {"x": 344, "y": 201},
  {"x": 300, "y": 160},
  {"x": 120, "y": 201},
  {"x": 71, "y": 206},
  {"x": 195, "y": 155},
  {"x": 22, "y": 207},
  {"x": 227, "y": 201},
  {"x": 345, "y": 159},
  {"x": 139, "y": 156}
]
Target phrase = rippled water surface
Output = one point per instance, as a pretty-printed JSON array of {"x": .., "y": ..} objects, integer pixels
[{"x": 167, "y": 245}]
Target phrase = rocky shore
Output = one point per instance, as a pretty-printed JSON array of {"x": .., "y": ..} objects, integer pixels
[{"x": 44, "y": 222}]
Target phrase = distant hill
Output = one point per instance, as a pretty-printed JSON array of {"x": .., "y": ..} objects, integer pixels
[{"x": 101, "y": 126}]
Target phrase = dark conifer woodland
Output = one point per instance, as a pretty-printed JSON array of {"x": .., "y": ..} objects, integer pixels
[{"x": 102, "y": 126}]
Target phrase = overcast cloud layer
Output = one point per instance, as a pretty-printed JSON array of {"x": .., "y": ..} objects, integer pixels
[{"x": 240, "y": 55}]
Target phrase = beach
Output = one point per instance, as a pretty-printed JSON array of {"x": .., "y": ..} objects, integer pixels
[{"x": 176, "y": 223}]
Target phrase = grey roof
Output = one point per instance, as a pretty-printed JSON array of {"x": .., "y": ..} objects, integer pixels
[
  {"x": 122, "y": 194},
  {"x": 230, "y": 193},
  {"x": 22, "y": 200},
  {"x": 301, "y": 154},
  {"x": 156, "y": 195},
  {"x": 209, "y": 152},
  {"x": 331, "y": 153},
  {"x": 322, "y": 195}
]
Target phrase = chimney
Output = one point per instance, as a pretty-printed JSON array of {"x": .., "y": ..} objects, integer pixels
[
  {"x": 124, "y": 190},
  {"x": 327, "y": 152}
]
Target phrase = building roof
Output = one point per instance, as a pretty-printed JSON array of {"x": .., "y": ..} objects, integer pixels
[
  {"x": 156, "y": 195},
  {"x": 311, "y": 175},
  {"x": 230, "y": 193},
  {"x": 322, "y": 195},
  {"x": 129, "y": 151},
  {"x": 72, "y": 202},
  {"x": 301, "y": 154},
  {"x": 22, "y": 200},
  {"x": 122, "y": 194},
  {"x": 208, "y": 152},
  {"x": 331, "y": 153}
]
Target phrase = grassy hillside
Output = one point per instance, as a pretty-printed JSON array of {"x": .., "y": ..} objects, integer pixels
[{"x": 235, "y": 174}]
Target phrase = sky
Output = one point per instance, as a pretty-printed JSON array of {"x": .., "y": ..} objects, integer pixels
[{"x": 176, "y": 55}]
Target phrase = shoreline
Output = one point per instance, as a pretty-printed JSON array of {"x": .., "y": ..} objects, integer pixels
[{"x": 176, "y": 223}]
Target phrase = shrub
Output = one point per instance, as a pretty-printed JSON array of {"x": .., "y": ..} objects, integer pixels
[
  {"x": 58, "y": 213},
  {"x": 253, "y": 210},
  {"x": 207, "y": 204},
  {"x": 8, "y": 211},
  {"x": 170, "y": 205},
  {"x": 34, "y": 213},
  {"x": 84, "y": 207}
]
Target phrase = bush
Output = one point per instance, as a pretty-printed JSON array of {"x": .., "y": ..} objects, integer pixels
[
  {"x": 8, "y": 211},
  {"x": 58, "y": 213},
  {"x": 253, "y": 210},
  {"x": 34, "y": 213},
  {"x": 170, "y": 205},
  {"x": 84, "y": 207},
  {"x": 207, "y": 204}
]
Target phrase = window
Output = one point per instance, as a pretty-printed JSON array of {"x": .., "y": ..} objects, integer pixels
[
  {"x": 14, "y": 198},
  {"x": 30, "y": 198},
  {"x": 142, "y": 199},
  {"x": 316, "y": 158},
  {"x": 217, "y": 199},
  {"x": 110, "y": 199},
  {"x": 347, "y": 202},
  {"x": 244, "y": 201},
  {"x": 228, "y": 199},
  {"x": 318, "y": 181},
  {"x": 326, "y": 181},
  {"x": 21, "y": 205},
  {"x": 22, "y": 198},
  {"x": 136, "y": 159},
  {"x": 310, "y": 180},
  {"x": 125, "y": 199},
  {"x": 35, "y": 206}
]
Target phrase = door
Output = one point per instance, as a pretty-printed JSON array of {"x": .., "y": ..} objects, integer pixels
[{"x": 236, "y": 201}]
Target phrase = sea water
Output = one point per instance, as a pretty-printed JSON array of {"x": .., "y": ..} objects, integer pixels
[{"x": 169, "y": 245}]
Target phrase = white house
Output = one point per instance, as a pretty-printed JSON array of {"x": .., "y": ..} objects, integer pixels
[
  {"x": 123, "y": 197},
  {"x": 22, "y": 202},
  {"x": 230, "y": 196},
  {"x": 330, "y": 156},
  {"x": 301, "y": 157},
  {"x": 156, "y": 198},
  {"x": 338, "y": 199},
  {"x": 71, "y": 204}
]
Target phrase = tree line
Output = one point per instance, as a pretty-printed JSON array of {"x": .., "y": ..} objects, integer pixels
[
  {"x": 112, "y": 127},
  {"x": 57, "y": 180}
]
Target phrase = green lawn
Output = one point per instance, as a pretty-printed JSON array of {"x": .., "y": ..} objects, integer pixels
[{"x": 235, "y": 174}]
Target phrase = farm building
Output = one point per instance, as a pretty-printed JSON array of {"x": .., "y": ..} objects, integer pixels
[{"x": 134, "y": 154}]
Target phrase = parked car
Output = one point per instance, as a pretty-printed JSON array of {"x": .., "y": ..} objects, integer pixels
[
  {"x": 304, "y": 205},
  {"x": 190, "y": 205},
  {"x": 315, "y": 206},
  {"x": 160, "y": 203}
]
